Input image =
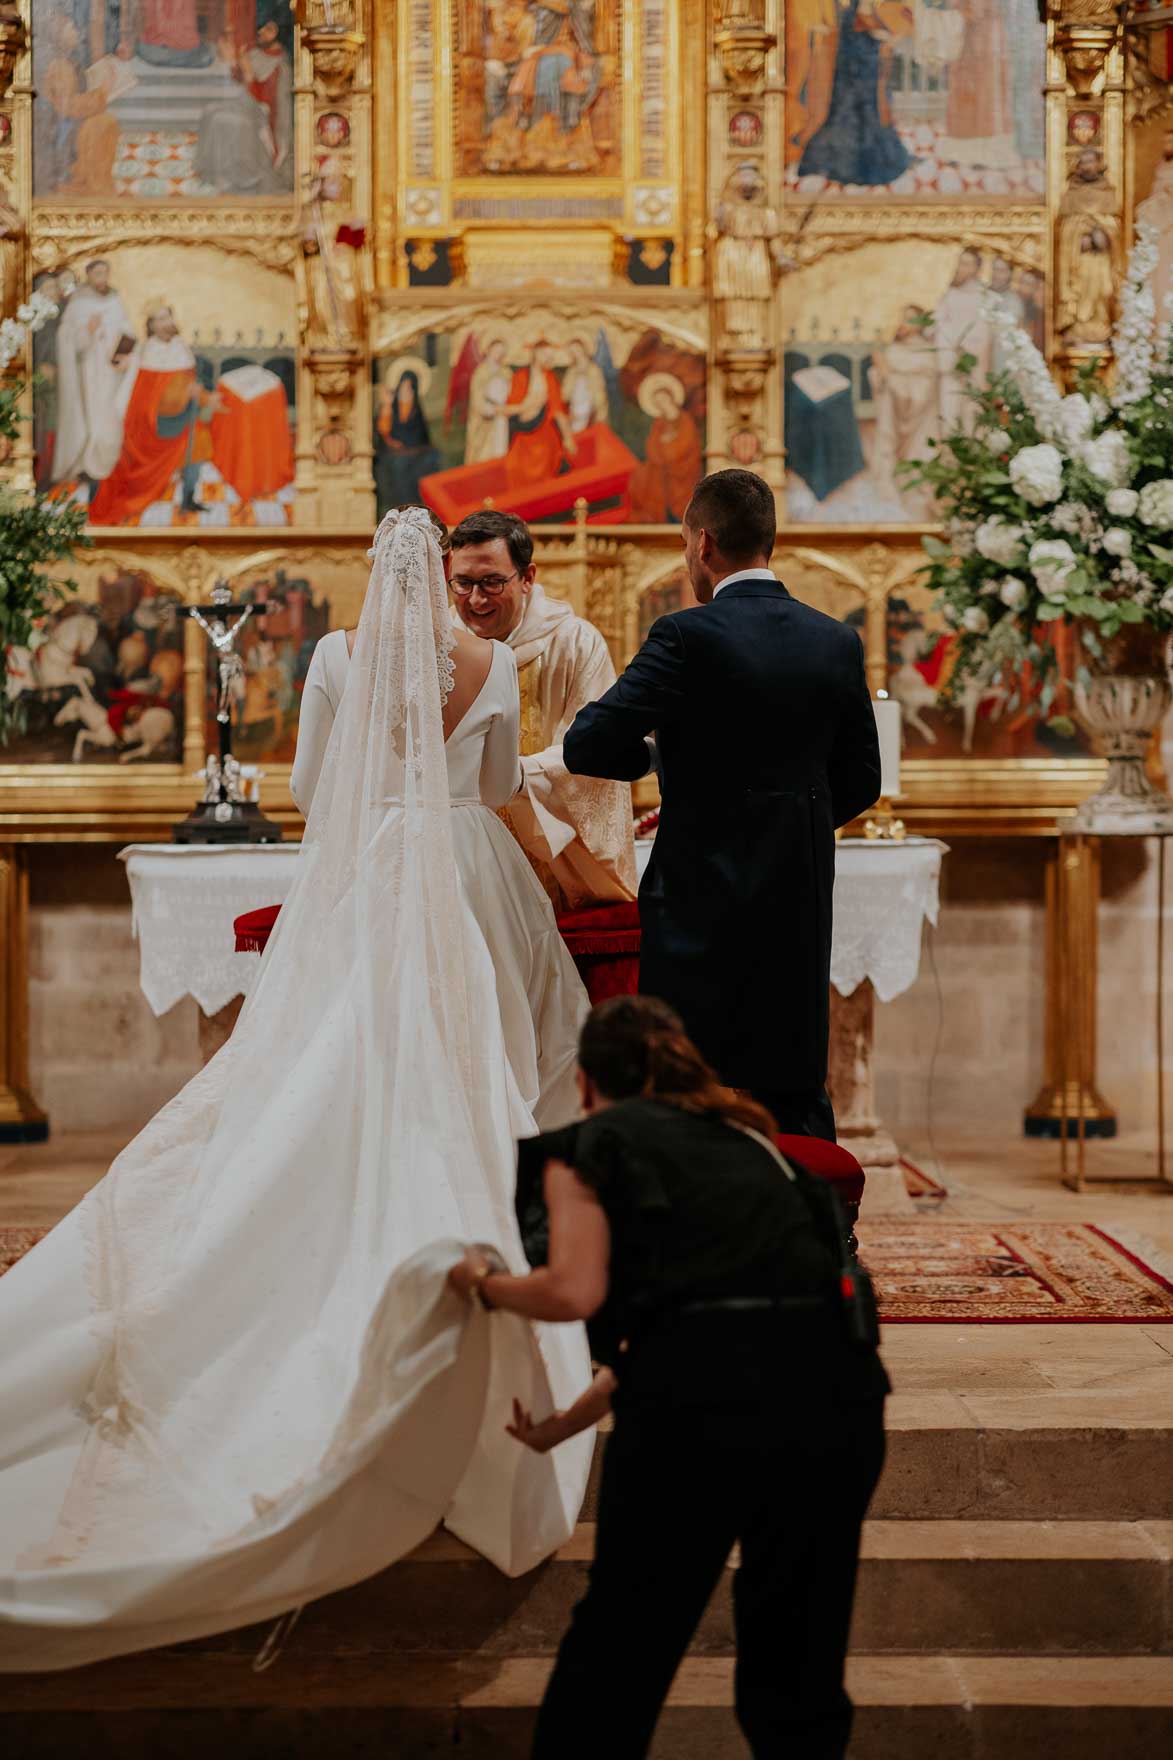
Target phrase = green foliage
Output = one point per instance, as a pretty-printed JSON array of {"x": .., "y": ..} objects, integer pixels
[{"x": 35, "y": 534}]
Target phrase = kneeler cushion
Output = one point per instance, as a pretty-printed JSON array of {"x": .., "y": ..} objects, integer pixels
[
  {"x": 827, "y": 1161},
  {"x": 254, "y": 927}
]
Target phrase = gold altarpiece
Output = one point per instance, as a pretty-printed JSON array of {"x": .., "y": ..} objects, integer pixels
[{"x": 424, "y": 201}]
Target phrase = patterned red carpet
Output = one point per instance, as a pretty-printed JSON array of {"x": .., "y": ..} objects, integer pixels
[
  {"x": 930, "y": 1269},
  {"x": 927, "y": 1269},
  {"x": 15, "y": 1243}
]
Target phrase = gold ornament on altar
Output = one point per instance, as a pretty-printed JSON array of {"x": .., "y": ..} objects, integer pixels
[
  {"x": 743, "y": 43},
  {"x": 328, "y": 32}
]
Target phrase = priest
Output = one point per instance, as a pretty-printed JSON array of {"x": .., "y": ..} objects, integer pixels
[{"x": 576, "y": 830}]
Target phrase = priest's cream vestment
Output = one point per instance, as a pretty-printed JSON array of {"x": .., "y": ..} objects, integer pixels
[{"x": 576, "y": 830}]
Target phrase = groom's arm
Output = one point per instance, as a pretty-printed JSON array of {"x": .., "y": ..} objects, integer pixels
[
  {"x": 609, "y": 738},
  {"x": 853, "y": 769}
]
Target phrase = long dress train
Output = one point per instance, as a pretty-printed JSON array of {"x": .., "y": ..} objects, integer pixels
[{"x": 234, "y": 1379}]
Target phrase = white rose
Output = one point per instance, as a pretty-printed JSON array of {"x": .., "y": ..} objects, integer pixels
[
  {"x": 1121, "y": 503},
  {"x": 1167, "y": 599},
  {"x": 1037, "y": 474},
  {"x": 999, "y": 542},
  {"x": 998, "y": 441},
  {"x": 1155, "y": 505},
  {"x": 1013, "y": 592},
  {"x": 1074, "y": 421},
  {"x": 1106, "y": 457},
  {"x": 974, "y": 619},
  {"x": 1117, "y": 542},
  {"x": 1051, "y": 561}
]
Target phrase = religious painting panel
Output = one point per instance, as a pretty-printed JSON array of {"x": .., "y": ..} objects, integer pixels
[
  {"x": 876, "y": 340},
  {"x": 915, "y": 102},
  {"x": 163, "y": 101},
  {"x": 102, "y": 682},
  {"x": 537, "y": 409},
  {"x": 993, "y": 717},
  {"x": 166, "y": 388},
  {"x": 539, "y": 88},
  {"x": 276, "y": 650}
]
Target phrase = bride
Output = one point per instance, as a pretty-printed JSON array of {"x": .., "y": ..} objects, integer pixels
[{"x": 233, "y": 1379}]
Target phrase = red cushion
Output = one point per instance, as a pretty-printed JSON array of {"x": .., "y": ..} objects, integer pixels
[
  {"x": 253, "y": 928},
  {"x": 826, "y": 1161},
  {"x": 623, "y": 915}
]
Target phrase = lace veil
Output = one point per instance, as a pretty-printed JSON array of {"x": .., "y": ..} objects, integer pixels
[{"x": 250, "y": 1335}]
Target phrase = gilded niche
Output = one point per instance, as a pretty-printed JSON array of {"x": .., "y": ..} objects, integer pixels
[{"x": 539, "y": 87}]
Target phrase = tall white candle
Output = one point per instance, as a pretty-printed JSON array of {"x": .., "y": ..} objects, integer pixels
[{"x": 888, "y": 727}]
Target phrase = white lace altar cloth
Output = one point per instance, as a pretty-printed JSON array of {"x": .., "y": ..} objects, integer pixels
[
  {"x": 185, "y": 898},
  {"x": 884, "y": 893}
]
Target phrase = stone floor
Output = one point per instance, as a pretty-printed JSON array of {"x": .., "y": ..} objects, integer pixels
[
  {"x": 1016, "y": 1587},
  {"x": 1045, "y": 1373}
]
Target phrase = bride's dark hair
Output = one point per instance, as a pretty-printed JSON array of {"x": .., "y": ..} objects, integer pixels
[{"x": 637, "y": 1046}]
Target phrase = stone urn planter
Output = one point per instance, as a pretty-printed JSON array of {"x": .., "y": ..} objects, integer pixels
[{"x": 1121, "y": 704}]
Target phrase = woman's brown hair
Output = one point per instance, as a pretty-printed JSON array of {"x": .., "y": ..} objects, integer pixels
[{"x": 637, "y": 1046}]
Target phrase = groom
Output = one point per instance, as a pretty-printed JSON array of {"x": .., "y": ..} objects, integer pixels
[{"x": 765, "y": 741}]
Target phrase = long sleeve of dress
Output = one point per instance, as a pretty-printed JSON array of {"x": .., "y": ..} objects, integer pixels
[
  {"x": 500, "y": 763},
  {"x": 313, "y": 735}
]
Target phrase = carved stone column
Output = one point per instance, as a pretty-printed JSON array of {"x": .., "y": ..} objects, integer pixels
[
  {"x": 744, "y": 250},
  {"x": 21, "y": 1119},
  {"x": 851, "y": 1085},
  {"x": 334, "y": 276},
  {"x": 1087, "y": 177}
]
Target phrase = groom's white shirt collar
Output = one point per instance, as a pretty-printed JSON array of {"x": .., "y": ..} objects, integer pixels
[{"x": 745, "y": 574}]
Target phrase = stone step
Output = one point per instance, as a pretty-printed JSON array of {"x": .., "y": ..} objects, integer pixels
[
  {"x": 1017, "y": 1459},
  {"x": 938, "y": 1707},
  {"x": 1066, "y": 1588}
]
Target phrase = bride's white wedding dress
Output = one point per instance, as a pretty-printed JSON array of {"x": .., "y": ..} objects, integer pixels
[{"x": 234, "y": 1379}]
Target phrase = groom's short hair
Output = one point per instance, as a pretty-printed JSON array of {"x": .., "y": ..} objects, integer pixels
[
  {"x": 736, "y": 508},
  {"x": 486, "y": 526}
]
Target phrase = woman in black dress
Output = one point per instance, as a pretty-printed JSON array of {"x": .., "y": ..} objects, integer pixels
[{"x": 747, "y": 1393}]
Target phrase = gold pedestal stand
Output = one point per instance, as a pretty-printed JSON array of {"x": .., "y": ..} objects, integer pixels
[
  {"x": 1072, "y": 910},
  {"x": 1077, "y": 995},
  {"x": 21, "y": 1119}
]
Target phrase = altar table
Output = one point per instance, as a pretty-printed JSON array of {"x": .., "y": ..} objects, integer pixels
[{"x": 186, "y": 897}]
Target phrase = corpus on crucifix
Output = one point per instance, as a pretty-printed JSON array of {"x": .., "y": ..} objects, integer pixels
[{"x": 225, "y": 815}]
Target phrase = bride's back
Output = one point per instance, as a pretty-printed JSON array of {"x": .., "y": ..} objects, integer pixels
[{"x": 472, "y": 661}]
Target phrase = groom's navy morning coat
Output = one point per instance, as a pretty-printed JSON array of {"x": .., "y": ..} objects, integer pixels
[{"x": 767, "y": 741}]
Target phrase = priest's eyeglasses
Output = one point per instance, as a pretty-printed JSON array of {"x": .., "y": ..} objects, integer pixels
[{"x": 492, "y": 584}]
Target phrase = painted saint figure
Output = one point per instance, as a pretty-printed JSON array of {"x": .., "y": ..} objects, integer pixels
[
  {"x": 541, "y": 441},
  {"x": 908, "y": 413},
  {"x": 584, "y": 387},
  {"x": 961, "y": 329},
  {"x": 661, "y": 487},
  {"x": 857, "y": 143},
  {"x": 167, "y": 431},
  {"x": 404, "y": 453},
  {"x": 75, "y": 137},
  {"x": 486, "y": 434},
  {"x": 94, "y": 342}
]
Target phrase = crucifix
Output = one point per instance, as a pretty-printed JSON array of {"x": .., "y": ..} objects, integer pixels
[{"x": 225, "y": 815}]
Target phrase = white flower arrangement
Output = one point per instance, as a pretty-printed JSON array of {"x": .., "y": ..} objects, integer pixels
[
  {"x": 1037, "y": 473},
  {"x": 1063, "y": 504}
]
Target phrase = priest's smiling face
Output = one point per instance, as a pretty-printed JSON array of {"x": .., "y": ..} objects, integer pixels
[{"x": 494, "y": 613}]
